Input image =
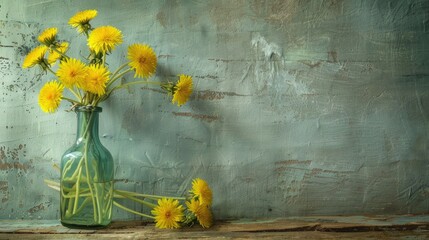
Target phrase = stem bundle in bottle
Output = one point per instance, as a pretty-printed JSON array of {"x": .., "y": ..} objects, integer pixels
[{"x": 87, "y": 176}]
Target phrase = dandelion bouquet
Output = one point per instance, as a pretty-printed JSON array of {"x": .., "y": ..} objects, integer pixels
[
  {"x": 92, "y": 82},
  {"x": 86, "y": 186}
]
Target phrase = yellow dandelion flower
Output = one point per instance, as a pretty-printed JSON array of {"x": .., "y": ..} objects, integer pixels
[
  {"x": 201, "y": 191},
  {"x": 50, "y": 96},
  {"x": 142, "y": 60},
  {"x": 205, "y": 216},
  {"x": 54, "y": 55},
  {"x": 168, "y": 213},
  {"x": 104, "y": 39},
  {"x": 72, "y": 72},
  {"x": 182, "y": 90},
  {"x": 80, "y": 20},
  {"x": 202, "y": 212},
  {"x": 48, "y": 36},
  {"x": 35, "y": 56},
  {"x": 96, "y": 79}
]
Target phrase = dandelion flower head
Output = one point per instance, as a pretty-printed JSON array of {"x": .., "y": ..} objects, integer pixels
[
  {"x": 80, "y": 20},
  {"x": 201, "y": 191},
  {"x": 202, "y": 212},
  {"x": 104, "y": 39},
  {"x": 142, "y": 60},
  {"x": 72, "y": 72},
  {"x": 96, "y": 79},
  {"x": 35, "y": 56},
  {"x": 182, "y": 90},
  {"x": 48, "y": 36},
  {"x": 50, "y": 96},
  {"x": 168, "y": 213}
]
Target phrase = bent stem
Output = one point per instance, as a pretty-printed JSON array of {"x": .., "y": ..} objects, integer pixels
[
  {"x": 59, "y": 52},
  {"x": 121, "y": 194},
  {"x": 76, "y": 200},
  {"x": 52, "y": 184},
  {"x": 114, "y": 78},
  {"x": 82, "y": 175},
  {"x": 151, "y": 205},
  {"x": 153, "y": 197},
  {"x": 131, "y": 211},
  {"x": 116, "y": 72},
  {"x": 85, "y": 135}
]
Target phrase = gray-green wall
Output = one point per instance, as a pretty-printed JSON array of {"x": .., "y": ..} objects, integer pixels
[{"x": 300, "y": 107}]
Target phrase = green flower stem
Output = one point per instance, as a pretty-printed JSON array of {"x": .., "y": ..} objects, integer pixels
[
  {"x": 154, "y": 197},
  {"x": 52, "y": 184},
  {"x": 117, "y": 193},
  {"x": 50, "y": 70},
  {"x": 80, "y": 195},
  {"x": 137, "y": 82},
  {"x": 131, "y": 83},
  {"x": 117, "y": 71},
  {"x": 131, "y": 211},
  {"x": 112, "y": 80},
  {"x": 77, "y": 95},
  {"x": 69, "y": 207},
  {"x": 67, "y": 167},
  {"x": 82, "y": 174},
  {"x": 151, "y": 205},
  {"x": 97, "y": 198},
  {"x": 119, "y": 75},
  {"x": 108, "y": 204},
  {"x": 59, "y": 52},
  {"x": 68, "y": 190},
  {"x": 55, "y": 166},
  {"x": 104, "y": 59},
  {"x": 76, "y": 173},
  {"x": 71, "y": 194},
  {"x": 76, "y": 200},
  {"x": 120, "y": 194},
  {"x": 69, "y": 164},
  {"x": 85, "y": 158},
  {"x": 70, "y": 100},
  {"x": 84, "y": 203},
  {"x": 73, "y": 180}
]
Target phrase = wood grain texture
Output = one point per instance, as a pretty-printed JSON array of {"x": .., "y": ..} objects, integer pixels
[
  {"x": 322, "y": 227},
  {"x": 300, "y": 107}
]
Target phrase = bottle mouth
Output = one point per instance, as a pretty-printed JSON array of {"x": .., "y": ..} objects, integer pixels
[{"x": 88, "y": 109}]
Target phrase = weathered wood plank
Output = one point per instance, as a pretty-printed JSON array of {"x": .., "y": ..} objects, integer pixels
[
  {"x": 229, "y": 235},
  {"x": 324, "y": 227}
]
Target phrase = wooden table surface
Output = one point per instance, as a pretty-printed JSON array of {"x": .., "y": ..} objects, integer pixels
[{"x": 324, "y": 227}]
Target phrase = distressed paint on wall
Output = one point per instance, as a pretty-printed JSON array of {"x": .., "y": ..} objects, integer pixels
[{"x": 300, "y": 107}]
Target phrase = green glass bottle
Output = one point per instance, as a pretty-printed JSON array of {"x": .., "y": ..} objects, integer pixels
[{"x": 87, "y": 175}]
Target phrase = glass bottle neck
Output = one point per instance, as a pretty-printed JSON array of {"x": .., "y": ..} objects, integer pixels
[{"x": 87, "y": 126}]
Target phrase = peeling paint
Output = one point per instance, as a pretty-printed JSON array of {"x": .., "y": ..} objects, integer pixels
[
  {"x": 311, "y": 64},
  {"x": 214, "y": 95},
  {"x": 270, "y": 50},
  {"x": 9, "y": 158},
  {"x": 4, "y": 186},
  {"x": 293, "y": 162},
  {"x": 332, "y": 56},
  {"x": 203, "y": 117},
  {"x": 14, "y": 165},
  {"x": 4, "y": 192},
  {"x": 37, "y": 208}
]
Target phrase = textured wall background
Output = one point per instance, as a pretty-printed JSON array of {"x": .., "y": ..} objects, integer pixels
[{"x": 300, "y": 107}]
